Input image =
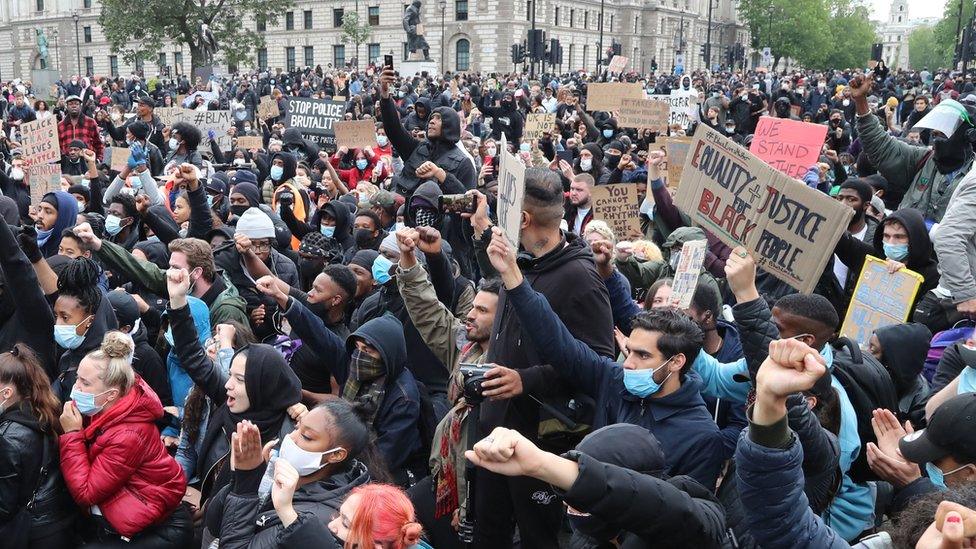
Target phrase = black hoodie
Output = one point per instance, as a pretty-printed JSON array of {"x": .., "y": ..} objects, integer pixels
[
  {"x": 103, "y": 322},
  {"x": 292, "y": 139},
  {"x": 417, "y": 120},
  {"x": 904, "y": 348},
  {"x": 290, "y": 167}
]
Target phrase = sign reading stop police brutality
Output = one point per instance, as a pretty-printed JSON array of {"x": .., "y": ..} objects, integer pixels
[
  {"x": 315, "y": 118},
  {"x": 511, "y": 194},
  {"x": 790, "y": 228},
  {"x": 40, "y": 141},
  {"x": 790, "y": 146}
]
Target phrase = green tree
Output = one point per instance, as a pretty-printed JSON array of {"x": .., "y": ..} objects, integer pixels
[
  {"x": 353, "y": 31},
  {"x": 945, "y": 30},
  {"x": 925, "y": 51},
  {"x": 138, "y": 30},
  {"x": 791, "y": 29},
  {"x": 851, "y": 35}
]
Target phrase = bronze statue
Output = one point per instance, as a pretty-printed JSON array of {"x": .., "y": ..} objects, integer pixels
[{"x": 415, "y": 30}]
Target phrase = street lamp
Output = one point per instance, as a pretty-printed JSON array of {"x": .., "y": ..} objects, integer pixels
[
  {"x": 74, "y": 15},
  {"x": 442, "y": 4}
]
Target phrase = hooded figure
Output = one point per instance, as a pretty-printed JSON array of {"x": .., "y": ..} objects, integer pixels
[
  {"x": 441, "y": 149},
  {"x": 907, "y": 346},
  {"x": 179, "y": 380},
  {"x": 67, "y": 207},
  {"x": 599, "y": 172},
  {"x": 292, "y": 141},
  {"x": 506, "y": 119},
  {"x": 417, "y": 120},
  {"x": 104, "y": 321}
]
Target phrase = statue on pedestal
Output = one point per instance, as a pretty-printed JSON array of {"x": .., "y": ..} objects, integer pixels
[
  {"x": 41, "y": 45},
  {"x": 415, "y": 30}
]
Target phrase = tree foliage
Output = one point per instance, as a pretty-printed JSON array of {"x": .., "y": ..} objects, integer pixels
[
  {"x": 944, "y": 32},
  {"x": 851, "y": 35},
  {"x": 925, "y": 51},
  {"x": 353, "y": 31},
  {"x": 139, "y": 30}
]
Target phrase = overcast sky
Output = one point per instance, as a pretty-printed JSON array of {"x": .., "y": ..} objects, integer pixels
[{"x": 916, "y": 8}]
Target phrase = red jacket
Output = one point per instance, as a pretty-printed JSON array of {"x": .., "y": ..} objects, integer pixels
[{"x": 119, "y": 463}]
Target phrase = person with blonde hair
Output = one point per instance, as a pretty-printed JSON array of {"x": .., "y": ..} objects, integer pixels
[
  {"x": 597, "y": 230},
  {"x": 112, "y": 458}
]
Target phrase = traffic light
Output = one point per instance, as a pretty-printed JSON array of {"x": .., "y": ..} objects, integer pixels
[
  {"x": 653, "y": 63},
  {"x": 704, "y": 52},
  {"x": 552, "y": 55},
  {"x": 537, "y": 44},
  {"x": 515, "y": 54}
]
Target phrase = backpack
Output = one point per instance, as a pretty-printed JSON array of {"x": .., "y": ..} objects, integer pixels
[
  {"x": 959, "y": 332},
  {"x": 868, "y": 386}
]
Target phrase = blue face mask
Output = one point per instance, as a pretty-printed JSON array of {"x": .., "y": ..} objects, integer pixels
[
  {"x": 898, "y": 252},
  {"x": 66, "y": 335},
  {"x": 361, "y": 164},
  {"x": 938, "y": 477},
  {"x": 381, "y": 269},
  {"x": 113, "y": 225},
  {"x": 608, "y": 133},
  {"x": 209, "y": 201},
  {"x": 382, "y": 140},
  {"x": 327, "y": 230},
  {"x": 524, "y": 147},
  {"x": 640, "y": 383},
  {"x": 85, "y": 402},
  {"x": 277, "y": 172},
  {"x": 136, "y": 183}
]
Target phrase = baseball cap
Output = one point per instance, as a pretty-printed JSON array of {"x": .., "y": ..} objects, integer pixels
[
  {"x": 71, "y": 98},
  {"x": 949, "y": 432},
  {"x": 147, "y": 101}
]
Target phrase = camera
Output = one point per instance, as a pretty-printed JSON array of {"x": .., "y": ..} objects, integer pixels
[
  {"x": 472, "y": 375},
  {"x": 457, "y": 203}
]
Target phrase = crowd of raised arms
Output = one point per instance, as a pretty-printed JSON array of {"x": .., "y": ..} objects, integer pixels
[{"x": 283, "y": 341}]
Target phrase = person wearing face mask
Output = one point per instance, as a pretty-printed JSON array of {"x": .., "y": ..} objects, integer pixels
[
  {"x": 181, "y": 147},
  {"x": 838, "y": 132},
  {"x": 365, "y": 167},
  {"x": 109, "y": 421},
  {"x": 656, "y": 376},
  {"x": 590, "y": 161},
  {"x": 383, "y": 146},
  {"x": 38, "y": 511},
  {"x": 286, "y": 193},
  {"x": 819, "y": 95},
  {"x": 145, "y": 107},
  {"x": 918, "y": 177},
  {"x": 507, "y": 118},
  {"x": 145, "y": 360},
  {"x": 318, "y": 466},
  {"x": 902, "y": 350},
  {"x": 303, "y": 149},
  {"x": 367, "y": 231}
]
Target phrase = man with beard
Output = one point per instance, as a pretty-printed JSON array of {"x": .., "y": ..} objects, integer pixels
[
  {"x": 579, "y": 212},
  {"x": 144, "y": 113},
  {"x": 78, "y": 127},
  {"x": 918, "y": 177}
]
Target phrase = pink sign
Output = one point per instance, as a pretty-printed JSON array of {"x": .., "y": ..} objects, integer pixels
[{"x": 790, "y": 146}]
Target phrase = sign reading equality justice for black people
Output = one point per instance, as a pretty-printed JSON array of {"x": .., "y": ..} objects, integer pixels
[
  {"x": 315, "y": 118},
  {"x": 790, "y": 228}
]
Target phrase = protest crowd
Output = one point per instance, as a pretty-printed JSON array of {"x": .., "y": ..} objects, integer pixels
[{"x": 358, "y": 308}]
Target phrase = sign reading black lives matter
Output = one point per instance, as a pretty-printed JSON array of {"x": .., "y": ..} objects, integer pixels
[
  {"x": 790, "y": 228},
  {"x": 315, "y": 119}
]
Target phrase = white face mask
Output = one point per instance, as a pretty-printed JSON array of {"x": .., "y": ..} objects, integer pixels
[
  {"x": 303, "y": 461},
  {"x": 16, "y": 173},
  {"x": 586, "y": 164}
]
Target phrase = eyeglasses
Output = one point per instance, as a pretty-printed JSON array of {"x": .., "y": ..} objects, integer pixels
[{"x": 261, "y": 247}]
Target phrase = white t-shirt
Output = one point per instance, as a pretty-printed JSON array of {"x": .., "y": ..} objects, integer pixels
[
  {"x": 840, "y": 270},
  {"x": 581, "y": 214}
]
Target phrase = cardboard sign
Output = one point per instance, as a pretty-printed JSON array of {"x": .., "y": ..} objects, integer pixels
[
  {"x": 40, "y": 141},
  {"x": 248, "y": 142},
  {"x": 686, "y": 275},
  {"x": 644, "y": 113},
  {"x": 268, "y": 108},
  {"x": 618, "y": 206},
  {"x": 511, "y": 194},
  {"x": 790, "y": 228},
  {"x": 606, "y": 96},
  {"x": 537, "y": 124},
  {"x": 315, "y": 119},
  {"x": 168, "y": 115},
  {"x": 355, "y": 134},
  {"x": 880, "y": 299},
  {"x": 118, "y": 158},
  {"x": 217, "y": 122},
  {"x": 617, "y": 64},
  {"x": 789, "y": 146},
  {"x": 679, "y": 112},
  {"x": 677, "y": 150},
  {"x": 43, "y": 179}
]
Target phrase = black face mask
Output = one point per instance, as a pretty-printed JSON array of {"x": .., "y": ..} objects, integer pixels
[
  {"x": 364, "y": 239},
  {"x": 612, "y": 161},
  {"x": 834, "y": 123},
  {"x": 238, "y": 210},
  {"x": 950, "y": 153}
]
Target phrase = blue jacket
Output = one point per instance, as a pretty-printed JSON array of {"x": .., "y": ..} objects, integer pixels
[
  {"x": 398, "y": 436},
  {"x": 179, "y": 381},
  {"x": 680, "y": 420}
]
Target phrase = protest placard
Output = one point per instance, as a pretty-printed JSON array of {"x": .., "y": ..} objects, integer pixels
[
  {"x": 355, "y": 134},
  {"x": 644, "y": 113},
  {"x": 536, "y": 124},
  {"x": 789, "y": 146},
  {"x": 511, "y": 194},
  {"x": 118, "y": 157},
  {"x": 677, "y": 150},
  {"x": 248, "y": 142},
  {"x": 617, "y": 64},
  {"x": 880, "y": 299},
  {"x": 606, "y": 96},
  {"x": 679, "y": 113},
  {"x": 168, "y": 115},
  {"x": 315, "y": 119},
  {"x": 268, "y": 108},
  {"x": 618, "y": 206},
  {"x": 40, "y": 140},
  {"x": 790, "y": 228},
  {"x": 685, "y": 279},
  {"x": 43, "y": 179}
]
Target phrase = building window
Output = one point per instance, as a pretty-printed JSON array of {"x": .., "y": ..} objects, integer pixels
[
  {"x": 161, "y": 61},
  {"x": 86, "y": 4},
  {"x": 572, "y": 17},
  {"x": 113, "y": 65},
  {"x": 528, "y": 10},
  {"x": 461, "y": 10},
  {"x": 337, "y": 17},
  {"x": 178, "y": 62},
  {"x": 307, "y": 19},
  {"x": 374, "y": 16},
  {"x": 263, "y": 58},
  {"x": 556, "y": 22},
  {"x": 373, "y": 52},
  {"x": 339, "y": 55},
  {"x": 309, "y": 54},
  {"x": 636, "y": 19},
  {"x": 89, "y": 66},
  {"x": 86, "y": 32},
  {"x": 571, "y": 50},
  {"x": 289, "y": 58},
  {"x": 404, "y": 51},
  {"x": 586, "y": 20},
  {"x": 899, "y": 19},
  {"x": 262, "y": 23},
  {"x": 139, "y": 66},
  {"x": 586, "y": 56},
  {"x": 40, "y": 5},
  {"x": 289, "y": 20},
  {"x": 463, "y": 54}
]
